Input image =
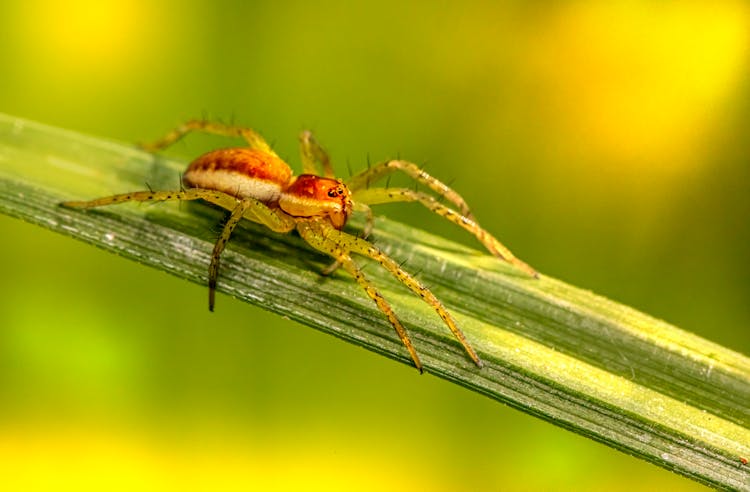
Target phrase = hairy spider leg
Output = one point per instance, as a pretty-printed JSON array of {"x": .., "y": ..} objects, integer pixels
[
  {"x": 315, "y": 159},
  {"x": 376, "y": 196},
  {"x": 313, "y": 237},
  {"x": 248, "y": 208},
  {"x": 369, "y": 224},
  {"x": 253, "y": 139},
  {"x": 213, "y": 269},
  {"x": 322, "y": 236},
  {"x": 356, "y": 272},
  {"x": 367, "y": 177},
  {"x": 216, "y": 197},
  {"x": 369, "y": 219}
]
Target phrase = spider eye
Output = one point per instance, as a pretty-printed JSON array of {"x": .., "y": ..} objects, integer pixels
[{"x": 332, "y": 193}]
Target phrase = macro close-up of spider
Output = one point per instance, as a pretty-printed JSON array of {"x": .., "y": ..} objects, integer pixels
[
  {"x": 443, "y": 245},
  {"x": 254, "y": 183}
]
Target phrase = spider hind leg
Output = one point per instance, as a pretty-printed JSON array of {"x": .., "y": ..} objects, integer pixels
[
  {"x": 253, "y": 139},
  {"x": 212, "y": 196},
  {"x": 248, "y": 208}
]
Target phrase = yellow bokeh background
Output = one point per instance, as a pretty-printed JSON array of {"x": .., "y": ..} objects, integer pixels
[{"x": 605, "y": 142}]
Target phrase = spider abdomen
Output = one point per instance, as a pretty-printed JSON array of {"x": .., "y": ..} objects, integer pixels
[{"x": 240, "y": 172}]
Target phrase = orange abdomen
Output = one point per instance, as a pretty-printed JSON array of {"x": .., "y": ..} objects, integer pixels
[{"x": 241, "y": 172}]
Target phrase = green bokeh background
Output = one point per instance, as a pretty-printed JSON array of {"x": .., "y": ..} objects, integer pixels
[{"x": 604, "y": 142}]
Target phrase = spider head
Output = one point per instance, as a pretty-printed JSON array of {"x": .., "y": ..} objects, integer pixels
[{"x": 314, "y": 196}]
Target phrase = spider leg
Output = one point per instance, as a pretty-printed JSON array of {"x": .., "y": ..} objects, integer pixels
[
  {"x": 253, "y": 139},
  {"x": 369, "y": 223},
  {"x": 356, "y": 272},
  {"x": 217, "y": 197},
  {"x": 315, "y": 159},
  {"x": 248, "y": 208},
  {"x": 315, "y": 236},
  {"x": 251, "y": 209},
  {"x": 374, "y": 196},
  {"x": 221, "y": 242},
  {"x": 370, "y": 175},
  {"x": 370, "y": 220},
  {"x": 274, "y": 219},
  {"x": 324, "y": 237}
]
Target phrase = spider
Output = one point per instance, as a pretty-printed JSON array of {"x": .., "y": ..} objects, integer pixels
[{"x": 254, "y": 183}]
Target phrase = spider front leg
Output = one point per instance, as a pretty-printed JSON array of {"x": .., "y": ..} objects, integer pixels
[
  {"x": 364, "y": 179},
  {"x": 376, "y": 196},
  {"x": 324, "y": 237},
  {"x": 346, "y": 261},
  {"x": 314, "y": 236},
  {"x": 369, "y": 224},
  {"x": 253, "y": 139}
]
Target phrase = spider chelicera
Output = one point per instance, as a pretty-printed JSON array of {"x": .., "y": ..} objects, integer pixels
[{"x": 254, "y": 183}]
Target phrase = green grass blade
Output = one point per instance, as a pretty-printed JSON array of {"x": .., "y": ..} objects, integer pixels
[{"x": 563, "y": 354}]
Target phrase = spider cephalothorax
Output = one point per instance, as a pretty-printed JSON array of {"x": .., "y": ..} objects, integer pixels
[
  {"x": 314, "y": 196},
  {"x": 254, "y": 183}
]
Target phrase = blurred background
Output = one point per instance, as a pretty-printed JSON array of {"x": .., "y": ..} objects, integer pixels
[{"x": 605, "y": 142}]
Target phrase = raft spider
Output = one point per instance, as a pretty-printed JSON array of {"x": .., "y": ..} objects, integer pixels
[{"x": 254, "y": 183}]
